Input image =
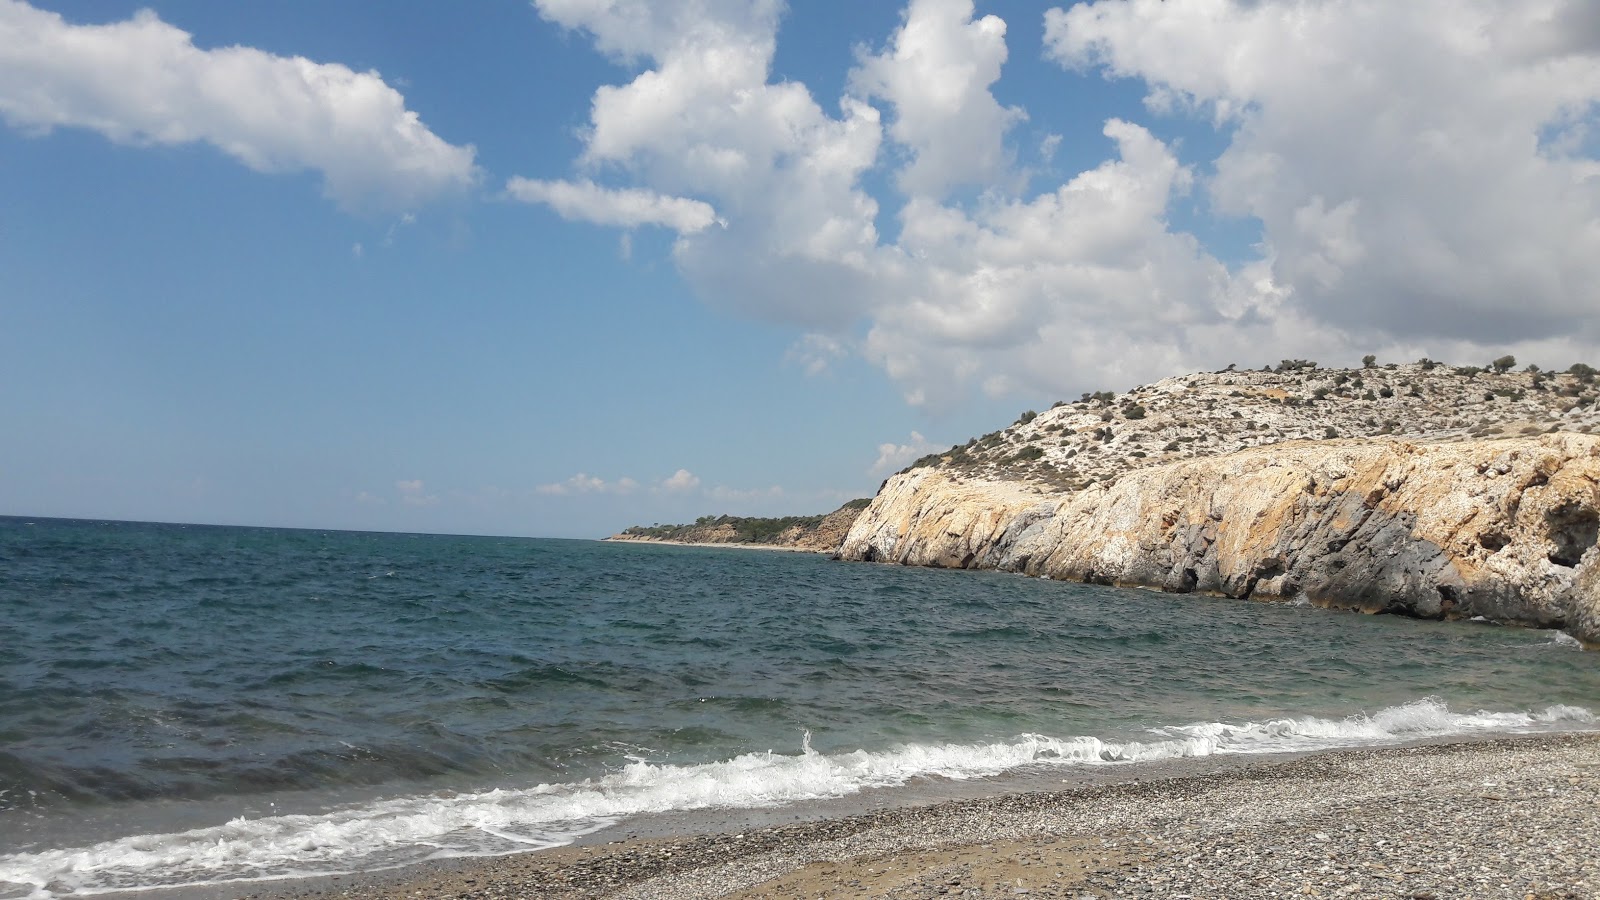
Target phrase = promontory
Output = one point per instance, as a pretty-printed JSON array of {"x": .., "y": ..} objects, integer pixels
[{"x": 1422, "y": 489}]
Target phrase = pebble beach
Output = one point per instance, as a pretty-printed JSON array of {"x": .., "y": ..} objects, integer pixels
[{"x": 1511, "y": 817}]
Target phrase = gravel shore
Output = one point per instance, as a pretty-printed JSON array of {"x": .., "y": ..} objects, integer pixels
[{"x": 1514, "y": 817}]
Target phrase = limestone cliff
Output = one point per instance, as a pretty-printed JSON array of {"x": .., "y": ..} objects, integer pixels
[{"x": 1508, "y": 529}]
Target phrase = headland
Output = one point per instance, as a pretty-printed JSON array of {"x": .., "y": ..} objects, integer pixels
[{"x": 1422, "y": 489}]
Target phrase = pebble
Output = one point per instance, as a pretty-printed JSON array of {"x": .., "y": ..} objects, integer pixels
[{"x": 1402, "y": 822}]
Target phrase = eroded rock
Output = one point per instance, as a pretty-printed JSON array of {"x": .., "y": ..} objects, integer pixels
[{"x": 1506, "y": 529}]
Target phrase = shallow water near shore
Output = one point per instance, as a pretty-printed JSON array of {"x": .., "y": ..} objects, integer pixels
[{"x": 204, "y": 705}]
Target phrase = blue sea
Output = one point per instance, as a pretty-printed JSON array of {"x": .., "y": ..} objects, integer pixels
[{"x": 200, "y": 705}]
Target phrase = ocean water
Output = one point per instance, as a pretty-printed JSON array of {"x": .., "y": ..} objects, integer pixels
[{"x": 197, "y": 705}]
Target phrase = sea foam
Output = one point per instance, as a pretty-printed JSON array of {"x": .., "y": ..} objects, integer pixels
[{"x": 402, "y": 831}]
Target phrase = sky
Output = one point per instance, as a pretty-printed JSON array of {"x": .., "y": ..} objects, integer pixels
[{"x": 553, "y": 268}]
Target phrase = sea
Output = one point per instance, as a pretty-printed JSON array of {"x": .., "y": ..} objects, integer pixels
[{"x": 188, "y": 705}]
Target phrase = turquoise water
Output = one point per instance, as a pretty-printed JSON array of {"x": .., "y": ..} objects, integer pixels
[{"x": 196, "y": 704}]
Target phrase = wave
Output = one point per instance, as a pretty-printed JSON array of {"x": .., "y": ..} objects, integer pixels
[
  {"x": 404, "y": 831},
  {"x": 1564, "y": 640}
]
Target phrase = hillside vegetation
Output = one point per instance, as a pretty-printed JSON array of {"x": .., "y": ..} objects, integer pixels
[
  {"x": 1102, "y": 436},
  {"x": 802, "y": 532}
]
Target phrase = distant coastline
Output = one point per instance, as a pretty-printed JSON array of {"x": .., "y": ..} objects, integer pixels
[
  {"x": 782, "y": 548},
  {"x": 818, "y": 534}
]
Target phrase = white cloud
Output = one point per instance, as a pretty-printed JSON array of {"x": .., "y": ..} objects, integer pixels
[
  {"x": 143, "y": 81},
  {"x": 892, "y": 457},
  {"x": 412, "y": 493},
  {"x": 583, "y": 483},
  {"x": 680, "y": 481},
  {"x": 1048, "y": 147},
  {"x": 1003, "y": 295},
  {"x": 1426, "y": 193},
  {"x": 1426, "y": 186},
  {"x": 586, "y": 201},
  {"x": 702, "y": 120},
  {"x": 936, "y": 72}
]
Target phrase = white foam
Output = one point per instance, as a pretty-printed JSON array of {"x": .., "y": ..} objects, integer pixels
[
  {"x": 1562, "y": 639},
  {"x": 403, "y": 831}
]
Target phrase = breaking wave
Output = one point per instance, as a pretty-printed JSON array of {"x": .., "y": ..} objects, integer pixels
[{"x": 403, "y": 831}]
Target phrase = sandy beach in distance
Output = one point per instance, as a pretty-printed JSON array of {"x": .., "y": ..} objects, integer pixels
[{"x": 1513, "y": 817}]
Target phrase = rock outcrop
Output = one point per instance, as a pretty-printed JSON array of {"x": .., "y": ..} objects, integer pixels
[
  {"x": 825, "y": 536},
  {"x": 1507, "y": 529}
]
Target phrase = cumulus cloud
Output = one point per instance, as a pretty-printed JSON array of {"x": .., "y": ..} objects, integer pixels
[
  {"x": 936, "y": 74},
  {"x": 583, "y": 483},
  {"x": 702, "y": 120},
  {"x": 1431, "y": 185},
  {"x": 586, "y": 201},
  {"x": 144, "y": 82},
  {"x": 680, "y": 481},
  {"x": 892, "y": 457},
  {"x": 1433, "y": 192}
]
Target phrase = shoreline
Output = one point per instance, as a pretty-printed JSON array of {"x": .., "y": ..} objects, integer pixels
[
  {"x": 782, "y": 548},
  {"x": 1500, "y": 816}
]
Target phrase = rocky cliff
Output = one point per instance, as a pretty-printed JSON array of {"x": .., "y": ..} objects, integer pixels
[{"x": 1507, "y": 529}]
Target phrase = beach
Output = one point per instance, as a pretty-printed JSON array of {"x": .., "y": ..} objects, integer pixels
[
  {"x": 414, "y": 708},
  {"x": 1506, "y": 817}
]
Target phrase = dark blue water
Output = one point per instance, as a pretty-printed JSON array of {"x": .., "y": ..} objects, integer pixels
[{"x": 331, "y": 701}]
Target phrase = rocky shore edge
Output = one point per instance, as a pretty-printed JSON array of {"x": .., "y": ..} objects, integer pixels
[
  {"x": 1505, "y": 530},
  {"x": 1509, "y": 817}
]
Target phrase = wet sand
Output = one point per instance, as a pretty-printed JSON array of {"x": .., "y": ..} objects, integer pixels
[{"x": 1510, "y": 817}]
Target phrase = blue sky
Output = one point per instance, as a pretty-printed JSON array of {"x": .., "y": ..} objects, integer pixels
[{"x": 555, "y": 268}]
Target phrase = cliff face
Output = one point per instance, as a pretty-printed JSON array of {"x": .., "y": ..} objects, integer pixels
[
  {"x": 823, "y": 537},
  {"x": 1506, "y": 529}
]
